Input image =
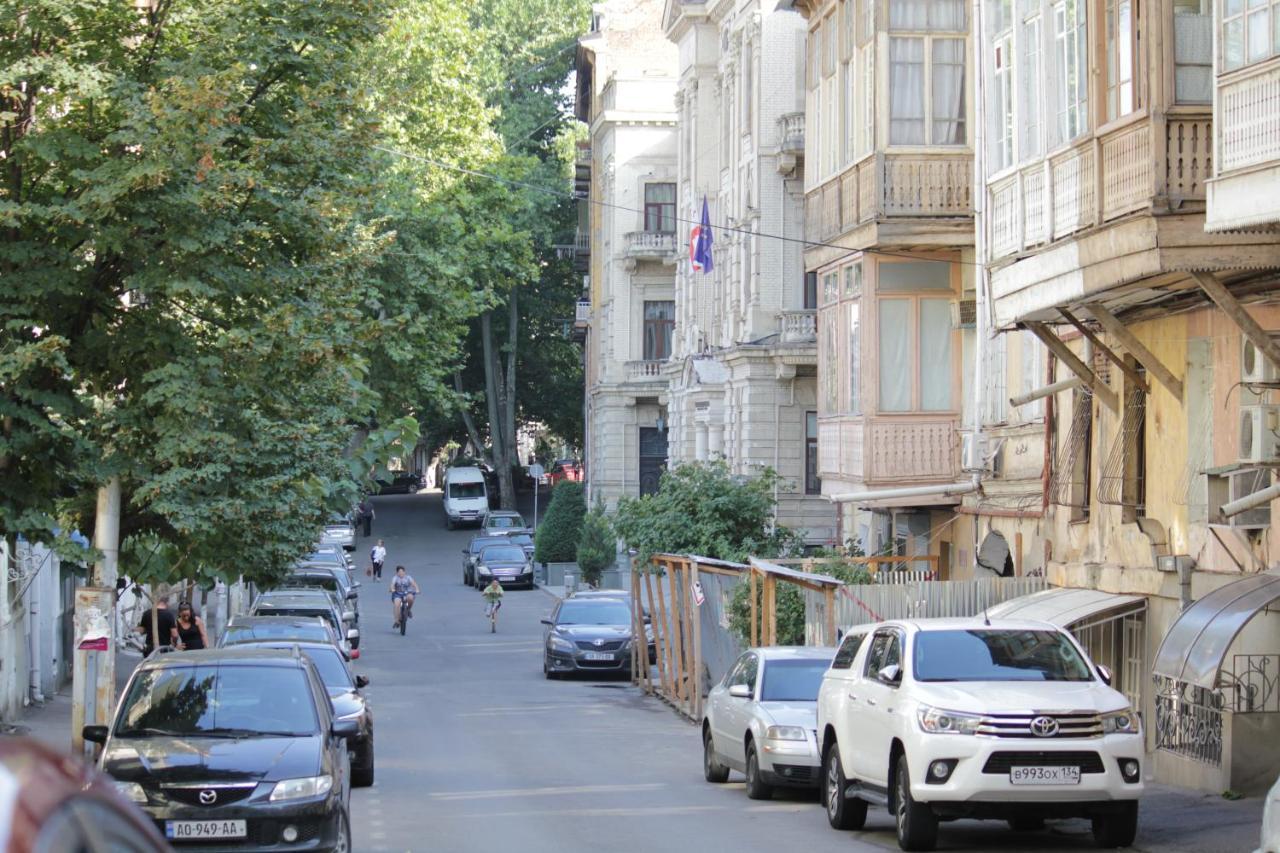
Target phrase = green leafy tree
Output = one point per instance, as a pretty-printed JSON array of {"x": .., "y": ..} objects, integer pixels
[
  {"x": 789, "y": 599},
  {"x": 597, "y": 547},
  {"x": 701, "y": 508},
  {"x": 560, "y": 531}
]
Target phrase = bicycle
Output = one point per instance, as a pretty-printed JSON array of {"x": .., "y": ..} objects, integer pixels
[
  {"x": 406, "y": 612},
  {"x": 491, "y": 610}
]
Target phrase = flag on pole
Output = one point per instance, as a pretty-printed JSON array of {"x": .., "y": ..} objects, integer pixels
[{"x": 700, "y": 240}]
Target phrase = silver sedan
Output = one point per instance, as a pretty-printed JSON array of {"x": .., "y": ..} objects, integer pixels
[{"x": 761, "y": 718}]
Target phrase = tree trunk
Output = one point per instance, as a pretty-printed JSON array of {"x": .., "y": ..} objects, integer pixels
[
  {"x": 469, "y": 421},
  {"x": 491, "y": 385}
]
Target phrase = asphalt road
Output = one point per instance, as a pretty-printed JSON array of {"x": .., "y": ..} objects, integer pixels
[{"x": 476, "y": 751}]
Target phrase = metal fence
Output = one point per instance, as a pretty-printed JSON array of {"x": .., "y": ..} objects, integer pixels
[
  {"x": 1189, "y": 720},
  {"x": 862, "y": 604},
  {"x": 720, "y": 645}
]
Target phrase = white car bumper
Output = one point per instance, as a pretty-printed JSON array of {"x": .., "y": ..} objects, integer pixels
[{"x": 791, "y": 762}]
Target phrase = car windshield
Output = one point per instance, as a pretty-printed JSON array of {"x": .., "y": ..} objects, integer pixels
[
  {"x": 792, "y": 680},
  {"x": 466, "y": 490},
  {"x": 998, "y": 655},
  {"x": 338, "y": 521},
  {"x": 333, "y": 672},
  {"x": 502, "y": 554},
  {"x": 266, "y": 631},
  {"x": 520, "y": 539},
  {"x": 325, "y": 613},
  {"x": 326, "y": 582},
  {"x": 478, "y": 545},
  {"x": 503, "y": 522},
  {"x": 218, "y": 700},
  {"x": 594, "y": 613}
]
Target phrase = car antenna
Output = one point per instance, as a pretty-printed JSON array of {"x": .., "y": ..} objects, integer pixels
[{"x": 986, "y": 620}]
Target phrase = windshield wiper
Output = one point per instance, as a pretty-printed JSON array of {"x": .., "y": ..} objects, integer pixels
[
  {"x": 224, "y": 731},
  {"x": 150, "y": 731}
]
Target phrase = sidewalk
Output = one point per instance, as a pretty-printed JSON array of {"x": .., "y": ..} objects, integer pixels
[
  {"x": 50, "y": 721},
  {"x": 1173, "y": 820}
]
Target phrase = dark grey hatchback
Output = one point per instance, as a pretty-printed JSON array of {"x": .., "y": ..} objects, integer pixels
[
  {"x": 233, "y": 749},
  {"x": 587, "y": 635}
]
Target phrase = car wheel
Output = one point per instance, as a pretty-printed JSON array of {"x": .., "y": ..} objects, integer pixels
[
  {"x": 917, "y": 824},
  {"x": 342, "y": 844},
  {"x": 448, "y": 523},
  {"x": 757, "y": 788},
  {"x": 712, "y": 769},
  {"x": 842, "y": 812},
  {"x": 1117, "y": 829},
  {"x": 1026, "y": 824},
  {"x": 362, "y": 773},
  {"x": 547, "y": 671}
]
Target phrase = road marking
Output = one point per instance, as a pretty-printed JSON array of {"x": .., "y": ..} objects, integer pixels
[
  {"x": 545, "y": 792},
  {"x": 655, "y": 811},
  {"x": 517, "y": 643},
  {"x": 527, "y": 709}
]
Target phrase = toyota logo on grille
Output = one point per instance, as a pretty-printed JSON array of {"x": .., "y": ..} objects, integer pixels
[
  {"x": 599, "y": 643},
  {"x": 208, "y": 797},
  {"x": 1044, "y": 727}
]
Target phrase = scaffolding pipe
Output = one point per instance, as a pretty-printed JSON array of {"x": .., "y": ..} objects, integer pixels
[
  {"x": 940, "y": 490},
  {"x": 1248, "y": 502},
  {"x": 1046, "y": 391}
]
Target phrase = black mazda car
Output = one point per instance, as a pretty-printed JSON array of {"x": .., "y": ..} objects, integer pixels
[
  {"x": 233, "y": 749},
  {"x": 587, "y": 635}
]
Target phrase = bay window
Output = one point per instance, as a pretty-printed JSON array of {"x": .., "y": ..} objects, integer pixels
[
  {"x": 1121, "y": 44},
  {"x": 1250, "y": 31},
  {"x": 915, "y": 336},
  {"x": 1002, "y": 102},
  {"x": 1071, "y": 68},
  {"x": 1193, "y": 52},
  {"x": 926, "y": 73},
  {"x": 1031, "y": 74},
  {"x": 853, "y": 335}
]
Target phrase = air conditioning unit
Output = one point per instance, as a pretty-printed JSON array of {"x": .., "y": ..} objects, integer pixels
[
  {"x": 1224, "y": 489},
  {"x": 964, "y": 313},
  {"x": 1259, "y": 434},
  {"x": 1254, "y": 366},
  {"x": 976, "y": 454}
]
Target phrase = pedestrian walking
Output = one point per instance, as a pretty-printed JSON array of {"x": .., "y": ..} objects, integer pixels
[
  {"x": 191, "y": 634},
  {"x": 378, "y": 556},
  {"x": 365, "y": 511},
  {"x": 164, "y": 634}
]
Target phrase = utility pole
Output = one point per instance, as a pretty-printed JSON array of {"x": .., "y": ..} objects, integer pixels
[{"x": 94, "y": 664}]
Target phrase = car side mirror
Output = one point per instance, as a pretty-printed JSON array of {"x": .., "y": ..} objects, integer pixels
[
  {"x": 94, "y": 734},
  {"x": 348, "y": 616},
  {"x": 891, "y": 674},
  {"x": 740, "y": 691},
  {"x": 547, "y": 622},
  {"x": 346, "y": 729},
  {"x": 1105, "y": 673},
  {"x": 362, "y": 681},
  {"x": 465, "y": 552},
  {"x": 352, "y": 595},
  {"x": 353, "y": 633}
]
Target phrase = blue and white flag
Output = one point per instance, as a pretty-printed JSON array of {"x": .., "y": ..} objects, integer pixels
[{"x": 700, "y": 240}]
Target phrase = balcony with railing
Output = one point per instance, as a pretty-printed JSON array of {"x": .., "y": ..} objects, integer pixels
[
  {"x": 1246, "y": 189},
  {"x": 581, "y": 320},
  {"x": 798, "y": 327},
  {"x": 891, "y": 186},
  {"x": 887, "y": 450},
  {"x": 791, "y": 134},
  {"x": 645, "y": 371},
  {"x": 651, "y": 245}
]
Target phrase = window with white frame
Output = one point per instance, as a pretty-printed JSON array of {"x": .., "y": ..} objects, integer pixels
[
  {"x": 1002, "y": 78},
  {"x": 1033, "y": 361},
  {"x": 829, "y": 339},
  {"x": 1071, "y": 69},
  {"x": 830, "y": 148},
  {"x": 995, "y": 380},
  {"x": 1121, "y": 30},
  {"x": 1250, "y": 31},
  {"x": 1193, "y": 51},
  {"x": 853, "y": 334},
  {"x": 1030, "y": 80},
  {"x": 926, "y": 72}
]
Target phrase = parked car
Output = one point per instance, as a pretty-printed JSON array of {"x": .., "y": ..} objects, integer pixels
[
  {"x": 340, "y": 530},
  {"x": 329, "y": 578},
  {"x": 761, "y": 719},
  {"x": 939, "y": 719},
  {"x": 329, "y": 552},
  {"x": 401, "y": 483},
  {"x": 466, "y": 497},
  {"x": 346, "y": 692},
  {"x": 235, "y": 747},
  {"x": 472, "y": 552},
  {"x": 307, "y": 629},
  {"x": 585, "y": 635},
  {"x": 53, "y": 804},
  {"x": 524, "y": 540},
  {"x": 564, "y": 469},
  {"x": 501, "y": 522},
  {"x": 301, "y": 602},
  {"x": 506, "y": 562},
  {"x": 625, "y": 597}
]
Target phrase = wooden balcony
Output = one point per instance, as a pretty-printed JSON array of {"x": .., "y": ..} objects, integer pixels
[
  {"x": 1145, "y": 165},
  {"x": 888, "y": 186},
  {"x": 1246, "y": 190},
  {"x": 890, "y": 450}
]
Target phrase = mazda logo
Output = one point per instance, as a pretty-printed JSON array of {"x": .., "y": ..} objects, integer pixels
[
  {"x": 1044, "y": 727},
  {"x": 208, "y": 797}
]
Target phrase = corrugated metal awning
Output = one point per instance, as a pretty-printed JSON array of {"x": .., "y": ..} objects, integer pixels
[
  {"x": 1068, "y": 608},
  {"x": 1198, "y": 642}
]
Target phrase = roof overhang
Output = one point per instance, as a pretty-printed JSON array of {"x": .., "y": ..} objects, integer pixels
[
  {"x": 1069, "y": 608},
  {"x": 1198, "y": 641}
]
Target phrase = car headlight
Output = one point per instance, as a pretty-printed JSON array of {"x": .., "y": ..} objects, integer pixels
[
  {"x": 297, "y": 789},
  {"x": 482, "y": 568},
  {"x": 939, "y": 722},
  {"x": 131, "y": 791},
  {"x": 560, "y": 644},
  {"x": 1123, "y": 722},
  {"x": 784, "y": 733}
]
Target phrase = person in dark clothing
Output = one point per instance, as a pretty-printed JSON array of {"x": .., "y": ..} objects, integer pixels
[
  {"x": 190, "y": 627},
  {"x": 167, "y": 628},
  {"x": 365, "y": 512}
]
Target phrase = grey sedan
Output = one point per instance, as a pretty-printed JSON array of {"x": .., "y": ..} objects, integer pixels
[{"x": 587, "y": 635}]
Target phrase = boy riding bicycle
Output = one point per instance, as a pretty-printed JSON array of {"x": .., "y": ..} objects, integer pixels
[
  {"x": 403, "y": 590},
  {"x": 493, "y": 599}
]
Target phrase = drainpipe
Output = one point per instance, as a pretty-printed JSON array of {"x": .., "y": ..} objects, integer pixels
[
  {"x": 940, "y": 490},
  {"x": 33, "y": 647},
  {"x": 1248, "y": 502}
]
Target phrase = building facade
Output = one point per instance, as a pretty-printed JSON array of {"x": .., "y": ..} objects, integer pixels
[
  {"x": 889, "y": 230},
  {"x": 742, "y": 374},
  {"x": 626, "y": 96}
]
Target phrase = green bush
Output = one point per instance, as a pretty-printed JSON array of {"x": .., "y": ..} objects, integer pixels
[
  {"x": 558, "y": 534},
  {"x": 789, "y": 600},
  {"x": 598, "y": 547}
]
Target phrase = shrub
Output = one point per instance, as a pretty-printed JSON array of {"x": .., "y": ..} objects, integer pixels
[
  {"x": 557, "y": 538},
  {"x": 598, "y": 547},
  {"x": 789, "y": 600}
]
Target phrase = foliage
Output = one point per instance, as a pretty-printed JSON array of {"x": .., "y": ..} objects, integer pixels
[
  {"x": 789, "y": 599},
  {"x": 700, "y": 508},
  {"x": 598, "y": 546},
  {"x": 561, "y": 529}
]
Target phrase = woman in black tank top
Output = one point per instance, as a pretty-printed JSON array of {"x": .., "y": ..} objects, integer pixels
[{"x": 190, "y": 628}]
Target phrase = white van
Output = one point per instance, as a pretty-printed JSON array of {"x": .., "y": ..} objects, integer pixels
[{"x": 466, "y": 499}]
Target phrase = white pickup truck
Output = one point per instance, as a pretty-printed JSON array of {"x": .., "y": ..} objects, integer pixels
[{"x": 939, "y": 719}]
